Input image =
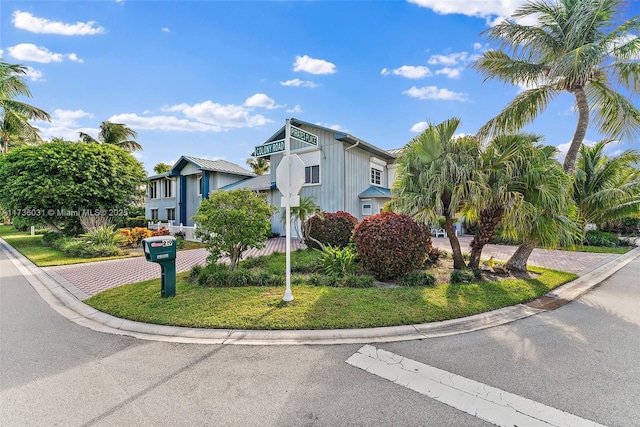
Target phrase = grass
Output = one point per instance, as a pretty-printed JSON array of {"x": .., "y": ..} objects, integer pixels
[
  {"x": 316, "y": 307},
  {"x": 597, "y": 249}
]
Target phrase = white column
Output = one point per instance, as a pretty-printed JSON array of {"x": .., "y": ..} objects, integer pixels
[{"x": 288, "y": 296}]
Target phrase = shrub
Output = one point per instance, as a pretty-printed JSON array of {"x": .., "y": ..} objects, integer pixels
[
  {"x": 138, "y": 221},
  {"x": 417, "y": 278},
  {"x": 180, "y": 244},
  {"x": 180, "y": 234},
  {"x": 391, "y": 245},
  {"x": 139, "y": 233},
  {"x": 462, "y": 276},
  {"x": 627, "y": 226},
  {"x": 601, "y": 238},
  {"x": 195, "y": 271},
  {"x": 333, "y": 229},
  {"x": 50, "y": 237},
  {"x": 103, "y": 235},
  {"x": 355, "y": 281},
  {"x": 336, "y": 261},
  {"x": 434, "y": 256},
  {"x": 163, "y": 231}
]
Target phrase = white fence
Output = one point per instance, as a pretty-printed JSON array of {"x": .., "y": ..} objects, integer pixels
[{"x": 189, "y": 232}]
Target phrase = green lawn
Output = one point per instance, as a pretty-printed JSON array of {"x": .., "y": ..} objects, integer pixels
[
  {"x": 42, "y": 256},
  {"x": 597, "y": 249},
  {"x": 316, "y": 307}
]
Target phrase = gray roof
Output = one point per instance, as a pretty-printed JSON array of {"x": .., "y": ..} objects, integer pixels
[
  {"x": 395, "y": 151},
  {"x": 212, "y": 165},
  {"x": 375, "y": 192},
  {"x": 258, "y": 183}
]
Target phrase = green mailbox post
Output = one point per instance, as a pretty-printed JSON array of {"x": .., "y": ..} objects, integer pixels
[{"x": 162, "y": 249}]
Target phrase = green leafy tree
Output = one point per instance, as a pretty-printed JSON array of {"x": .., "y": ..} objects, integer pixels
[
  {"x": 575, "y": 46},
  {"x": 161, "y": 168},
  {"x": 259, "y": 165},
  {"x": 15, "y": 129},
  {"x": 433, "y": 178},
  {"x": 57, "y": 182},
  {"x": 230, "y": 222},
  {"x": 606, "y": 189},
  {"x": 116, "y": 134}
]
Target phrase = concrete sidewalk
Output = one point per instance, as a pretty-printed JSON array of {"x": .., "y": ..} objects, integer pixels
[{"x": 71, "y": 307}]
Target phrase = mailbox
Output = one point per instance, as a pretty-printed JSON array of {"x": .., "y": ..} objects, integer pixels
[{"x": 162, "y": 250}]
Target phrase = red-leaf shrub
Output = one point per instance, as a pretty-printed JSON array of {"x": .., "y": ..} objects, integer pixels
[
  {"x": 391, "y": 245},
  {"x": 333, "y": 229},
  {"x": 163, "y": 231}
]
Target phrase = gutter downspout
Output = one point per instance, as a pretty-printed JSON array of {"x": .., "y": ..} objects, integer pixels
[{"x": 344, "y": 175}]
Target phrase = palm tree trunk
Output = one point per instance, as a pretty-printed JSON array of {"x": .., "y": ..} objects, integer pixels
[
  {"x": 518, "y": 261},
  {"x": 458, "y": 259},
  {"x": 489, "y": 219},
  {"x": 581, "y": 130}
]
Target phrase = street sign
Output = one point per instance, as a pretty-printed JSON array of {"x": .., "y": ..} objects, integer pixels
[
  {"x": 269, "y": 148},
  {"x": 303, "y": 136},
  {"x": 295, "y": 183}
]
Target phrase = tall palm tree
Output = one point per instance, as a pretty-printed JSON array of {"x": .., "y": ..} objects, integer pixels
[
  {"x": 606, "y": 189},
  {"x": 161, "y": 168},
  {"x": 259, "y": 165},
  {"x": 576, "y": 46},
  {"x": 15, "y": 115},
  {"x": 116, "y": 134},
  {"x": 542, "y": 218},
  {"x": 433, "y": 177}
]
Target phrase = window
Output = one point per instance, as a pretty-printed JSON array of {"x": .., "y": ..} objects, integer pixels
[
  {"x": 376, "y": 176},
  {"x": 154, "y": 214},
  {"x": 367, "y": 208},
  {"x": 171, "y": 214},
  {"x": 200, "y": 183},
  {"x": 153, "y": 190},
  {"x": 168, "y": 188},
  {"x": 312, "y": 174}
]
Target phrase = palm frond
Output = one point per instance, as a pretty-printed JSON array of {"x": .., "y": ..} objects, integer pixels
[{"x": 614, "y": 114}]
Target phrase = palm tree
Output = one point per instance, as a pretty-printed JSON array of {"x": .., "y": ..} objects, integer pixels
[
  {"x": 433, "y": 178},
  {"x": 300, "y": 214},
  {"x": 542, "y": 218},
  {"x": 15, "y": 115},
  {"x": 161, "y": 168},
  {"x": 116, "y": 134},
  {"x": 259, "y": 165},
  {"x": 576, "y": 47},
  {"x": 606, "y": 189}
]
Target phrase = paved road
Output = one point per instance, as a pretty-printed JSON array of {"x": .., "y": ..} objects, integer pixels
[{"x": 581, "y": 358}]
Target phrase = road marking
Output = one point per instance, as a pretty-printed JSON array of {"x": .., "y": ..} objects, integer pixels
[{"x": 480, "y": 400}]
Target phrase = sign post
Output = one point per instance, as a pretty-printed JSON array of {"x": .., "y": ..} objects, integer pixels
[{"x": 288, "y": 296}]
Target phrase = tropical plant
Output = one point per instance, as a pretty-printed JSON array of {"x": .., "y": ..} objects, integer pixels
[
  {"x": 575, "y": 46},
  {"x": 15, "y": 129},
  {"x": 259, "y": 165},
  {"x": 336, "y": 261},
  {"x": 328, "y": 228},
  {"x": 300, "y": 214},
  {"x": 161, "y": 168},
  {"x": 116, "y": 134},
  {"x": 230, "y": 222},
  {"x": 433, "y": 177},
  {"x": 606, "y": 189}
]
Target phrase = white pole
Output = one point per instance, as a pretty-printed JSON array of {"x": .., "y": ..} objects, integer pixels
[{"x": 288, "y": 296}]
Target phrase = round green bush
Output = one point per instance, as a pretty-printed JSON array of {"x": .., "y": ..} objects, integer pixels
[
  {"x": 333, "y": 229},
  {"x": 391, "y": 245}
]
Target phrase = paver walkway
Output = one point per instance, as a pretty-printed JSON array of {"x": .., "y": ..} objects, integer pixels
[{"x": 92, "y": 278}]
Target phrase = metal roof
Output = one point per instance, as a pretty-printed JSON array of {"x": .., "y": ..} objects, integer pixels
[
  {"x": 211, "y": 165},
  {"x": 258, "y": 183},
  {"x": 375, "y": 192}
]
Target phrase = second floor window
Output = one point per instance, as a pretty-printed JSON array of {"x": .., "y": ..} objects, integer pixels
[
  {"x": 153, "y": 190},
  {"x": 168, "y": 188},
  {"x": 312, "y": 174},
  {"x": 376, "y": 176},
  {"x": 200, "y": 188}
]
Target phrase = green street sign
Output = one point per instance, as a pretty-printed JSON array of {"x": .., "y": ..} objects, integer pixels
[
  {"x": 303, "y": 136},
  {"x": 269, "y": 149}
]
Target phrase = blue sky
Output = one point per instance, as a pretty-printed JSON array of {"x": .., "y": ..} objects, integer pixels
[{"x": 214, "y": 79}]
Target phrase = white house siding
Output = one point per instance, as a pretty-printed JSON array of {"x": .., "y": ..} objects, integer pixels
[
  {"x": 189, "y": 169},
  {"x": 192, "y": 197},
  {"x": 218, "y": 180},
  {"x": 160, "y": 203}
]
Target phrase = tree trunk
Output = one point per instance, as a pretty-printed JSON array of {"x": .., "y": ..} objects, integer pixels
[
  {"x": 489, "y": 219},
  {"x": 518, "y": 261},
  {"x": 458, "y": 259},
  {"x": 581, "y": 130}
]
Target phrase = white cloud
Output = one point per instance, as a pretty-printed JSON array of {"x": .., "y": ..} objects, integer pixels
[
  {"x": 419, "y": 127},
  {"x": 33, "y": 74},
  {"x": 313, "y": 66},
  {"x": 408, "y": 71},
  {"x": 488, "y": 9},
  {"x": 452, "y": 59},
  {"x": 296, "y": 109},
  {"x": 166, "y": 30},
  {"x": 166, "y": 123},
  {"x": 223, "y": 116},
  {"x": 64, "y": 124},
  {"x": 68, "y": 118},
  {"x": 26, "y": 21},
  {"x": 33, "y": 53},
  {"x": 452, "y": 73},
  {"x": 334, "y": 127},
  {"x": 432, "y": 92},
  {"x": 261, "y": 100},
  {"x": 299, "y": 83}
]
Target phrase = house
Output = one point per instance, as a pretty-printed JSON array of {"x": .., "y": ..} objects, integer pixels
[{"x": 176, "y": 195}]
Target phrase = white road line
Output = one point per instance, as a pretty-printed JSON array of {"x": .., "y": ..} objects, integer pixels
[{"x": 480, "y": 400}]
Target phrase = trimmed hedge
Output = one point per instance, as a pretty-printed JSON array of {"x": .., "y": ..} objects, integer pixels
[{"x": 334, "y": 229}]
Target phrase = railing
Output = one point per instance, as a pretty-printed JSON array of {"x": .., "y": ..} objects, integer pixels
[{"x": 189, "y": 232}]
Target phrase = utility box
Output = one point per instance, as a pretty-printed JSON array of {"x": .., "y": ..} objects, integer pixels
[{"x": 162, "y": 250}]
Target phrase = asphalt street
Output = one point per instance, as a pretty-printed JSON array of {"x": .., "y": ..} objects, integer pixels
[{"x": 580, "y": 358}]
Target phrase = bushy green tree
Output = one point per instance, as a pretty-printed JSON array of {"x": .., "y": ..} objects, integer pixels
[
  {"x": 230, "y": 222},
  {"x": 56, "y": 182},
  {"x": 161, "y": 168}
]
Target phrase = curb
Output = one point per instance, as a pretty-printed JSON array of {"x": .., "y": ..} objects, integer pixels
[{"x": 69, "y": 306}]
